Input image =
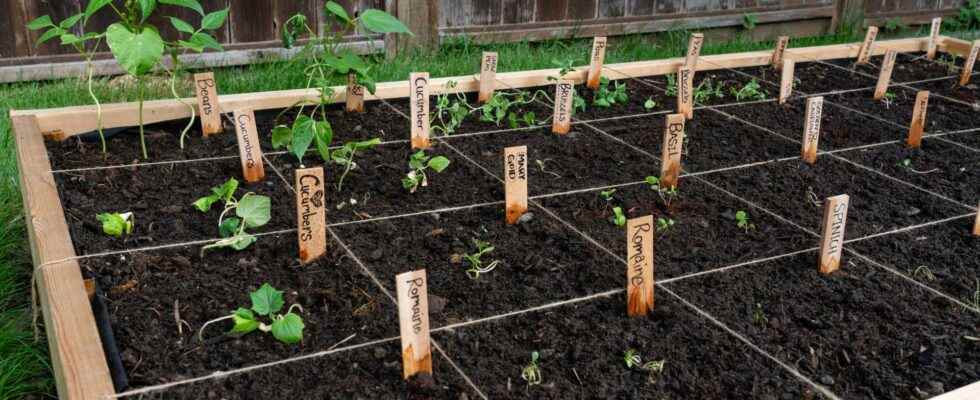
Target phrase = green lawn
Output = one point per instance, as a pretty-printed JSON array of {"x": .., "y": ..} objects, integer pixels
[{"x": 24, "y": 366}]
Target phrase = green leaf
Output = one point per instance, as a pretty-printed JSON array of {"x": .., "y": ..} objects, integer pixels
[
  {"x": 289, "y": 329},
  {"x": 244, "y": 321},
  {"x": 229, "y": 227},
  {"x": 323, "y": 134},
  {"x": 227, "y": 190},
  {"x": 254, "y": 210},
  {"x": 181, "y": 25},
  {"x": 281, "y": 136},
  {"x": 240, "y": 242},
  {"x": 50, "y": 34},
  {"x": 94, "y": 6},
  {"x": 71, "y": 21},
  {"x": 214, "y": 20},
  {"x": 378, "y": 21},
  {"x": 41, "y": 22},
  {"x": 204, "y": 203},
  {"x": 206, "y": 41},
  {"x": 438, "y": 163},
  {"x": 338, "y": 11},
  {"x": 190, "y": 46},
  {"x": 303, "y": 133},
  {"x": 365, "y": 144},
  {"x": 146, "y": 8},
  {"x": 137, "y": 53},
  {"x": 192, "y": 4},
  {"x": 267, "y": 300},
  {"x": 113, "y": 224}
]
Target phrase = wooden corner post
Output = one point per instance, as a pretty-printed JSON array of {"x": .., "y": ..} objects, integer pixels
[
  {"x": 488, "y": 76},
  {"x": 670, "y": 156},
  {"x": 885, "y": 76},
  {"x": 811, "y": 129},
  {"x": 639, "y": 269},
  {"x": 918, "y": 124},
  {"x": 598, "y": 58},
  {"x": 249, "y": 151},
  {"x": 971, "y": 60},
  {"x": 206, "y": 91},
  {"x": 832, "y": 233},
  {"x": 413, "y": 322},
  {"x": 419, "y": 108},
  {"x": 515, "y": 182},
  {"x": 564, "y": 102},
  {"x": 311, "y": 214}
]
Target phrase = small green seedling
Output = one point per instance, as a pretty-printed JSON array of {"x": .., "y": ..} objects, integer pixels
[
  {"x": 607, "y": 195},
  {"x": 751, "y": 91},
  {"x": 451, "y": 109},
  {"x": 344, "y": 156},
  {"x": 632, "y": 358},
  {"x": 667, "y": 195},
  {"x": 924, "y": 272},
  {"x": 477, "y": 266},
  {"x": 564, "y": 68},
  {"x": 266, "y": 302},
  {"x": 889, "y": 99},
  {"x": 707, "y": 89},
  {"x": 251, "y": 211},
  {"x": 419, "y": 162},
  {"x": 664, "y": 225},
  {"x": 905, "y": 163},
  {"x": 759, "y": 316},
  {"x": 305, "y": 132},
  {"x": 116, "y": 224},
  {"x": 671, "y": 90},
  {"x": 649, "y": 104},
  {"x": 532, "y": 372},
  {"x": 653, "y": 368},
  {"x": 742, "y": 221},
  {"x": 618, "y": 219},
  {"x": 604, "y": 97}
]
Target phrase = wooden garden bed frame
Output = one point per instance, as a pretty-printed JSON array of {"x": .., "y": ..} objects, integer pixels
[{"x": 79, "y": 364}]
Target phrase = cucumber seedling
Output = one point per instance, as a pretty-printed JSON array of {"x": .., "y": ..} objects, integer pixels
[
  {"x": 344, "y": 156},
  {"x": 266, "y": 302},
  {"x": 475, "y": 261},
  {"x": 419, "y": 163},
  {"x": 251, "y": 211},
  {"x": 116, "y": 224},
  {"x": 532, "y": 372},
  {"x": 742, "y": 221}
]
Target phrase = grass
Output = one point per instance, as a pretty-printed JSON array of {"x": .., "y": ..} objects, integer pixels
[{"x": 24, "y": 368}]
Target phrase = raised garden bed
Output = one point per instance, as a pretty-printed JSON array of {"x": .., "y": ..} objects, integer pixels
[{"x": 741, "y": 310}]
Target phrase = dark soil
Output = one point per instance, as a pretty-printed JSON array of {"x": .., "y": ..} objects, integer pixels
[
  {"x": 581, "y": 349},
  {"x": 816, "y": 77},
  {"x": 942, "y": 115},
  {"x": 724, "y": 83},
  {"x": 877, "y": 203},
  {"x": 638, "y": 93},
  {"x": 951, "y": 88},
  {"x": 971, "y": 139},
  {"x": 705, "y": 234},
  {"x": 474, "y": 122},
  {"x": 862, "y": 331}
]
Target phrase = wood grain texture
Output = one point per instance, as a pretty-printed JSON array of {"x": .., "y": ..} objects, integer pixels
[
  {"x": 515, "y": 183},
  {"x": 80, "y": 368},
  {"x": 673, "y": 147},
  {"x": 918, "y": 123},
  {"x": 639, "y": 266},
  {"x": 518, "y": 11},
  {"x": 832, "y": 232},
  {"x": 550, "y": 10}
]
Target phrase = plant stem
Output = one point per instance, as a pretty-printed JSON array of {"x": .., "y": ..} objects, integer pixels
[
  {"x": 350, "y": 163},
  {"x": 98, "y": 106},
  {"x": 173, "y": 90},
  {"x": 139, "y": 84}
]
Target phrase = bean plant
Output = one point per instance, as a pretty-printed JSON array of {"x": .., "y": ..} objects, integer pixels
[
  {"x": 477, "y": 265},
  {"x": 116, "y": 224},
  {"x": 251, "y": 211},
  {"x": 345, "y": 155},
  {"x": 266, "y": 302},
  {"x": 419, "y": 163},
  {"x": 707, "y": 89},
  {"x": 451, "y": 109},
  {"x": 605, "y": 97},
  {"x": 751, "y": 91}
]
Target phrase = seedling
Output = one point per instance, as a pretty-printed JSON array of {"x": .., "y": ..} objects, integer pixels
[
  {"x": 924, "y": 272},
  {"x": 706, "y": 90},
  {"x": 654, "y": 368},
  {"x": 667, "y": 195},
  {"x": 649, "y": 104},
  {"x": 564, "y": 68},
  {"x": 607, "y": 195},
  {"x": 742, "y": 221},
  {"x": 476, "y": 264},
  {"x": 949, "y": 61},
  {"x": 604, "y": 97},
  {"x": 266, "y": 302},
  {"x": 532, "y": 372},
  {"x": 671, "y": 85},
  {"x": 502, "y": 104},
  {"x": 905, "y": 163},
  {"x": 419, "y": 163},
  {"x": 751, "y": 91},
  {"x": 759, "y": 316},
  {"x": 344, "y": 156},
  {"x": 541, "y": 165},
  {"x": 889, "y": 99},
  {"x": 304, "y": 132},
  {"x": 450, "y": 111},
  {"x": 618, "y": 219},
  {"x": 631, "y": 358},
  {"x": 251, "y": 211},
  {"x": 116, "y": 224},
  {"x": 664, "y": 225}
]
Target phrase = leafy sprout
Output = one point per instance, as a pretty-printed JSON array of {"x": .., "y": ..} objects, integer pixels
[
  {"x": 889, "y": 99},
  {"x": 305, "y": 132},
  {"x": 671, "y": 85},
  {"x": 742, "y": 220},
  {"x": 116, "y": 224},
  {"x": 653, "y": 368},
  {"x": 751, "y": 91},
  {"x": 266, "y": 302},
  {"x": 419, "y": 163},
  {"x": 251, "y": 211},
  {"x": 649, "y": 104},
  {"x": 708, "y": 89},
  {"x": 607, "y": 195},
  {"x": 618, "y": 219},
  {"x": 759, "y": 315},
  {"x": 604, "y": 97},
  {"x": 476, "y": 264},
  {"x": 664, "y": 225},
  {"x": 667, "y": 195},
  {"x": 345, "y": 155},
  {"x": 532, "y": 372},
  {"x": 632, "y": 358}
]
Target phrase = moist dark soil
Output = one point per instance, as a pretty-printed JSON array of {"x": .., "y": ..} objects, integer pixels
[
  {"x": 816, "y": 77},
  {"x": 704, "y": 236},
  {"x": 951, "y": 88},
  {"x": 862, "y": 332},
  {"x": 839, "y": 128},
  {"x": 712, "y": 141},
  {"x": 474, "y": 121},
  {"x": 971, "y": 139},
  {"x": 941, "y": 116},
  {"x": 163, "y": 139},
  {"x": 581, "y": 355},
  {"x": 720, "y": 86},
  {"x": 637, "y": 90},
  {"x": 878, "y": 204},
  {"x": 938, "y": 166},
  {"x": 581, "y": 159},
  {"x": 144, "y": 289}
]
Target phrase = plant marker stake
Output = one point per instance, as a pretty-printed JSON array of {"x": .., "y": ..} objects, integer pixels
[
  {"x": 564, "y": 94},
  {"x": 777, "y": 54},
  {"x": 672, "y": 147},
  {"x": 694, "y": 44},
  {"x": 968, "y": 65},
  {"x": 413, "y": 322},
  {"x": 869, "y": 39},
  {"x": 811, "y": 129},
  {"x": 918, "y": 120},
  {"x": 832, "y": 239},
  {"x": 311, "y": 215},
  {"x": 598, "y": 56},
  {"x": 207, "y": 103},
  {"x": 685, "y": 92},
  {"x": 355, "y": 95},
  {"x": 488, "y": 75},
  {"x": 248, "y": 146},
  {"x": 419, "y": 108},
  {"x": 515, "y": 182},
  {"x": 934, "y": 37},
  {"x": 885, "y": 76},
  {"x": 786, "y": 80},
  {"x": 976, "y": 223},
  {"x": 639, "y": 269}
]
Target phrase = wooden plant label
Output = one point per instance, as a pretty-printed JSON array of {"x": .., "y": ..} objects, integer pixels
[
  {"x": 694, "y": 45},
  {"x": 355, "y": 94},
  {"x": 515, "y": 182},
  {"x": 869, "y": 39},
  {"x": 488, "y": 75},
  {"x": 564, "y": 95},
  {"x": 207, "y": 103},
  {"x": 311, "y": 215},
  {"x": 598, "y": 56},
  {"x": 248, "y": 146},
  {"x": 639, "y": 270},
  {"x": 885, "y": 76},
  {"x": 671, "y": 155},
  {"x": 976, "y": 223},
  {"x": 832, "y": 236},
  {"x": 934, "y": 38},
  {"x": 777, "y": 54},
  {"x": 811, "y": 129},
  {"x": 786, "y": 80},
  {"x": 419, "y": 108},
  {"x": 918, "y": 124},
  {"x": 971, "y": 59},
  {"x": 685, "y": 92},
  {"x": 413, "y": 322}
]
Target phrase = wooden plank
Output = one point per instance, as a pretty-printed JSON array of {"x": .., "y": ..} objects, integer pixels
[
  {"x": 518, "y": 11},
  {"x": 582, "y": 9},
  {"x": 786, "y": 79},
  {"x": 968, "y": 392},
  {"x": 355, "y": 95},
  {"x": 867, "y": 45},
  {"x": 918, "y": 124},
  {"x": 933, "y": 37},
  {"x": 612, "y": 8},
  {"x": 562, "y": 115},
  {"x": 488, "y": 75},
  {"x": 976, "y": 223},
  {"x": 550, "y": 10},
  {"x": 249, "y": 21},
  {"x": 694, "y": 44},
  {"x": 685, "y": 91},
  {"x": 640, "y": 7},
  {"x": 955, "y": 46},
  {"x": 80, "y": 368},
  {"x": 832, "y": 232},
  {"x": 779, "y": 51},
  {"x": 639, "y": 269}
]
